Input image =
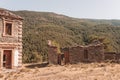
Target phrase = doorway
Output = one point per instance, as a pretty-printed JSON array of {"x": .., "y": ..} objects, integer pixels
[
  {"x": 66, "y": 56},
  {"x": 7, "y": 59}
]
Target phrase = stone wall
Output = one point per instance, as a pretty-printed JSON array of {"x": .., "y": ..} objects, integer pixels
[
  {"x": 95, "y": 53},
  {"x": 110, "y": 56},
  {"x": 20, "y": 41},
  {"x": 52, "y": 55},
  {"x": 1, "y": 26},
  {"x": 118, "y": 57},
  {"x": 76, "y": 54}
]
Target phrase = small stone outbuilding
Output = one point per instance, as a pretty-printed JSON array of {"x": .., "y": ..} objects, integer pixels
[{"x": 10, "y": 40}]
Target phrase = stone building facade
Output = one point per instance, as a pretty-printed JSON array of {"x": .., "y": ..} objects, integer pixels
[{"x": 10, "y": 40}]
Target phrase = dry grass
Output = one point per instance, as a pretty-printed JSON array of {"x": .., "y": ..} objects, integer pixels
[
  {"x": 92, "y": 71},
  {"x": 1, "y": 75},
  {"x": 24, "y": 70}
]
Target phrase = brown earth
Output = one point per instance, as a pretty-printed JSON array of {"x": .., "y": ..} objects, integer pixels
[{"x": 82, "y": 71}]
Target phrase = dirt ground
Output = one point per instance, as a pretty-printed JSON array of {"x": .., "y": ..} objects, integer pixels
[{"x": 82, "y": 71}]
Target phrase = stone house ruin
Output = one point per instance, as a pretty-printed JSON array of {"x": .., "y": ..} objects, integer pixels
[
  {"x": 90, "y": 53},
  {"x": 72, "y": 55},
  {"x": 10, "y": 40}
]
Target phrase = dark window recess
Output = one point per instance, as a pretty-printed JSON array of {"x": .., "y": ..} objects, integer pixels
[
  {"x": 86, "y": 54},
  {"x": 4, "y": 57},
  {"x": 8, "y": 29},
  {"x": 4, "y": 60}
]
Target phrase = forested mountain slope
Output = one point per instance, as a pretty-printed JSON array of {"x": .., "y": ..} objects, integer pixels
[{"x": 38, "y": 27}]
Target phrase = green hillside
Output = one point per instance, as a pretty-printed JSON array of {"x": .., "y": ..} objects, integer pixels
[{"x": 38, "y": 27}]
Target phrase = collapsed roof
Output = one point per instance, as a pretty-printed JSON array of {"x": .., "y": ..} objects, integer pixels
[{"x": 7, "y": 13}]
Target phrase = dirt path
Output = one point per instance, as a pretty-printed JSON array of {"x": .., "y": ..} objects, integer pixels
[{"x": 93, "y": 71}]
